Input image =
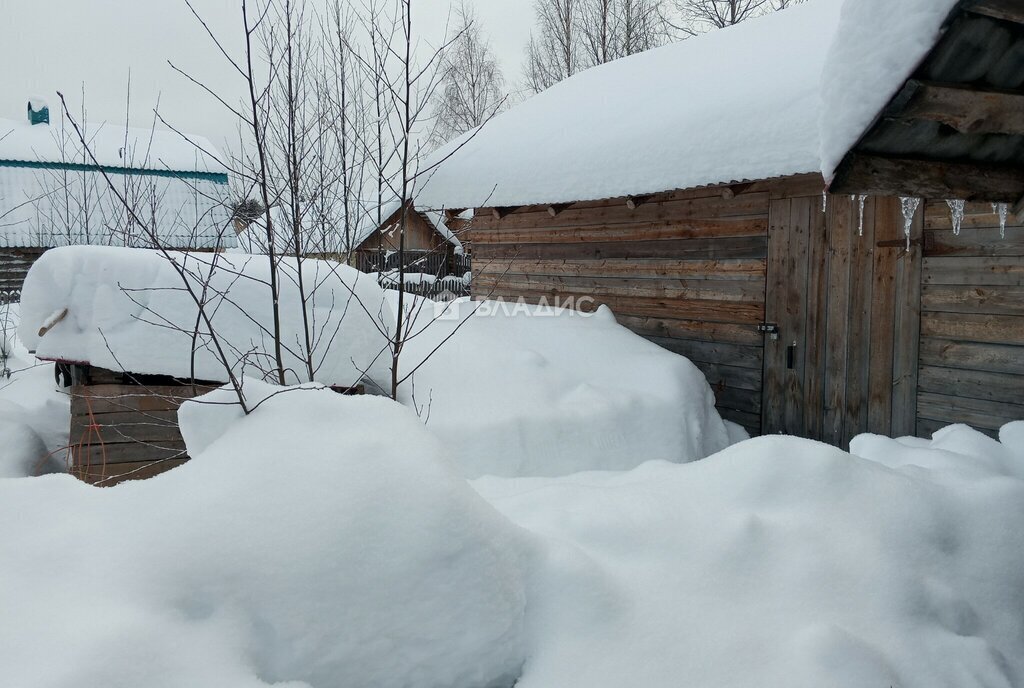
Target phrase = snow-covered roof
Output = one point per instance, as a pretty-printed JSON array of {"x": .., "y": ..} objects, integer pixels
[
  {"x": 438, "y": 219},
  {"x": 787, "y": 93},
  {"x": 128, "y": 310},
  {"x": 112, "y": 146},
  {"x": 53, "y": 194},
  {"x": 49, "y": 207}
]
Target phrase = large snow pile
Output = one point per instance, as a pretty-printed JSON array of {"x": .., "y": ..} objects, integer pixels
[
  {"x": 128, "y": 309},
  {"x": 782, "y": 563},
  {"x": 878, "y": 45},
  {"x": 525, "y": 390},
  {"x": 34, "y": 415},
  {"x": 322, "y": 541},
  {"x": 783, "y": 94}
]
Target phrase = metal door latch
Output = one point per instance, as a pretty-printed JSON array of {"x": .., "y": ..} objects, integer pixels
[{"x": 769, "y": 329}]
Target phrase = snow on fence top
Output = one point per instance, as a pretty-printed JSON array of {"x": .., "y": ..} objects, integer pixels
[
  {"x": 128, "y": 310},
  {"x": 741, "y": 103}
]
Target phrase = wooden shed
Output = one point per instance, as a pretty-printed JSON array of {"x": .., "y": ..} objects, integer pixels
[
  {"x": 870, "y": 308},
  {"x": 432, "y": 242}
]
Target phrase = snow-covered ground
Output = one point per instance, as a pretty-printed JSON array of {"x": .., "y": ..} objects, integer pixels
[
  {"x": 34, "y": 414},
  {"x": 331, "y": 541},
  {"x": 303, "y": 547},
  {"x": 513, "y": 389}
]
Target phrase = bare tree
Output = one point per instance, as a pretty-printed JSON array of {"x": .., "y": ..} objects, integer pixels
[
  {"x": 577, "y": 34},
  {"x": 472, "y": 85},
  {"x": 698, "y": 16},
  {"x": 553, "y": 52}
]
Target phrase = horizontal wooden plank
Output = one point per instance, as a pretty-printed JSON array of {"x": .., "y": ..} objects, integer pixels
[
  {"x": 718, "y": 353},
  {"x": 975, "y": 242},
  {"x": 707, "y": 208},
  {"x": 997, "y": 300},
  {"x": 738, "y": 399},
  {"x": 713, "y": 290},
  {"x": 860, "y": 173},
  {"x": 969, "y": 110},
  {"x": 978, "y": 215},
  {"x": 701, "y": 330},
  {"x": 1007, "y": 10},
  {"x": 117, "y": 428},
  {"x": 751, "y": 422},
  {"x": 639, "y": 231},
  {"x": 703, "y": 249},
  {"x": 964, "y": 327},
  {"x": 682, "y": 309},
  {"x": 979, "y": 413},
  {"x": 100, "y": 454},
  {"x": 113, "y": 474},
  {"x": 748, "y": 379},
  {"x": 119, "y": 398},
  {"x": 973, "y": 384},
  {"x": 740, "y": 269},
  {"x": 995, "y": 358},
  {"x": 926, "y": 428},
  {"x": 1007, "y": 271}
]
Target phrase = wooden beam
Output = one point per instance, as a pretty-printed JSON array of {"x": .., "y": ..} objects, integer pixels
[
  {"x": 1007, "y": 10},
  {"x": 500, "y": 213},
  {"x": 969, "y": 110},
  {"x": 556, "y": 208},
  {"x": 878, "y": 176},
  {"x": 634, "y": 202}
]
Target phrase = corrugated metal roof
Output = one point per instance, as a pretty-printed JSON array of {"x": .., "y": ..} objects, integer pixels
[{"x": 41, "y": 207}]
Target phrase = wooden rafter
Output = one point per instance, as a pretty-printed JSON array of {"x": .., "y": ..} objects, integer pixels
[
  {"x": 555, "y": 209},
  {"x": 882, "y": 176},
  {"x": 969, "y": 110},
  {"x": 634, "y": 202},
  {"x": 1007, "y": 10}
]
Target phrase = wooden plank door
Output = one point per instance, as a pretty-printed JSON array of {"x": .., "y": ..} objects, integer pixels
[
  {"x": 795, "y": 312},
  {"x": 844, "y": 295}
]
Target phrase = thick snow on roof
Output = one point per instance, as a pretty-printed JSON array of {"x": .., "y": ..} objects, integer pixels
[
  {"x": 741, "y": 103},
  {"x": 878, "y": 45},
  {"x": 53, "y": 207},
  {"x": 128, "y": 310},
  {"x": 111, "y": 144}
]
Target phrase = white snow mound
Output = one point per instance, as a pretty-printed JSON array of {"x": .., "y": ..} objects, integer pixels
[
  {"x": 128, "y": 310},
  {"x": 518, "y": 390},
  {"x": 304, "y": 545},
  {"x": 780, "y": 563}
]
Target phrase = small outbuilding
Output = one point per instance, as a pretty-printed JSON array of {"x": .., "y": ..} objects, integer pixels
[
  {"x": 55, "y": 192},
  {"x": 124, "y": 328},
  {"x": 820, "y": 208},
  {"x": 433, "y": 242}
]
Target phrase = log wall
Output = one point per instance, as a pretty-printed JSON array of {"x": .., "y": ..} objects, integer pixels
[
  {"x": 872, "y": 337},
  {"x": 685, "y": 270},
  {"x": 972, "y": 321}
]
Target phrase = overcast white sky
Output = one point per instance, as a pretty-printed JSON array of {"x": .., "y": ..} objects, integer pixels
[{"x": 51, "y": 45}]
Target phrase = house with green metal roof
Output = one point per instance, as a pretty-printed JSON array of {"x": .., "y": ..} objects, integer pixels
[{"x": 123, "y": 187}]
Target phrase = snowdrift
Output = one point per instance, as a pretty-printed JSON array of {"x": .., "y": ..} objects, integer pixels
[
  {"x": 782, "y": 563},
  {"x": 516, "y": 390},
  {"x": 128, "y": 309},
  {"x": 34, "y": 416},
  {"x": 299, "y": 546}
]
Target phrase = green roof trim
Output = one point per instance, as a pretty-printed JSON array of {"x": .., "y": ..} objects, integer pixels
[{"x": 215, "y": 177}]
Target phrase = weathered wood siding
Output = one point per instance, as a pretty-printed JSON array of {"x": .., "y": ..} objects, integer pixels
[
  {"x": 14, "y": 266},
  {"x": 126, "y": 432},
  {"x": 847, "y": 307},
  {"x": 685, "y": 270},
  {"x": 972, "y": 321}
]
